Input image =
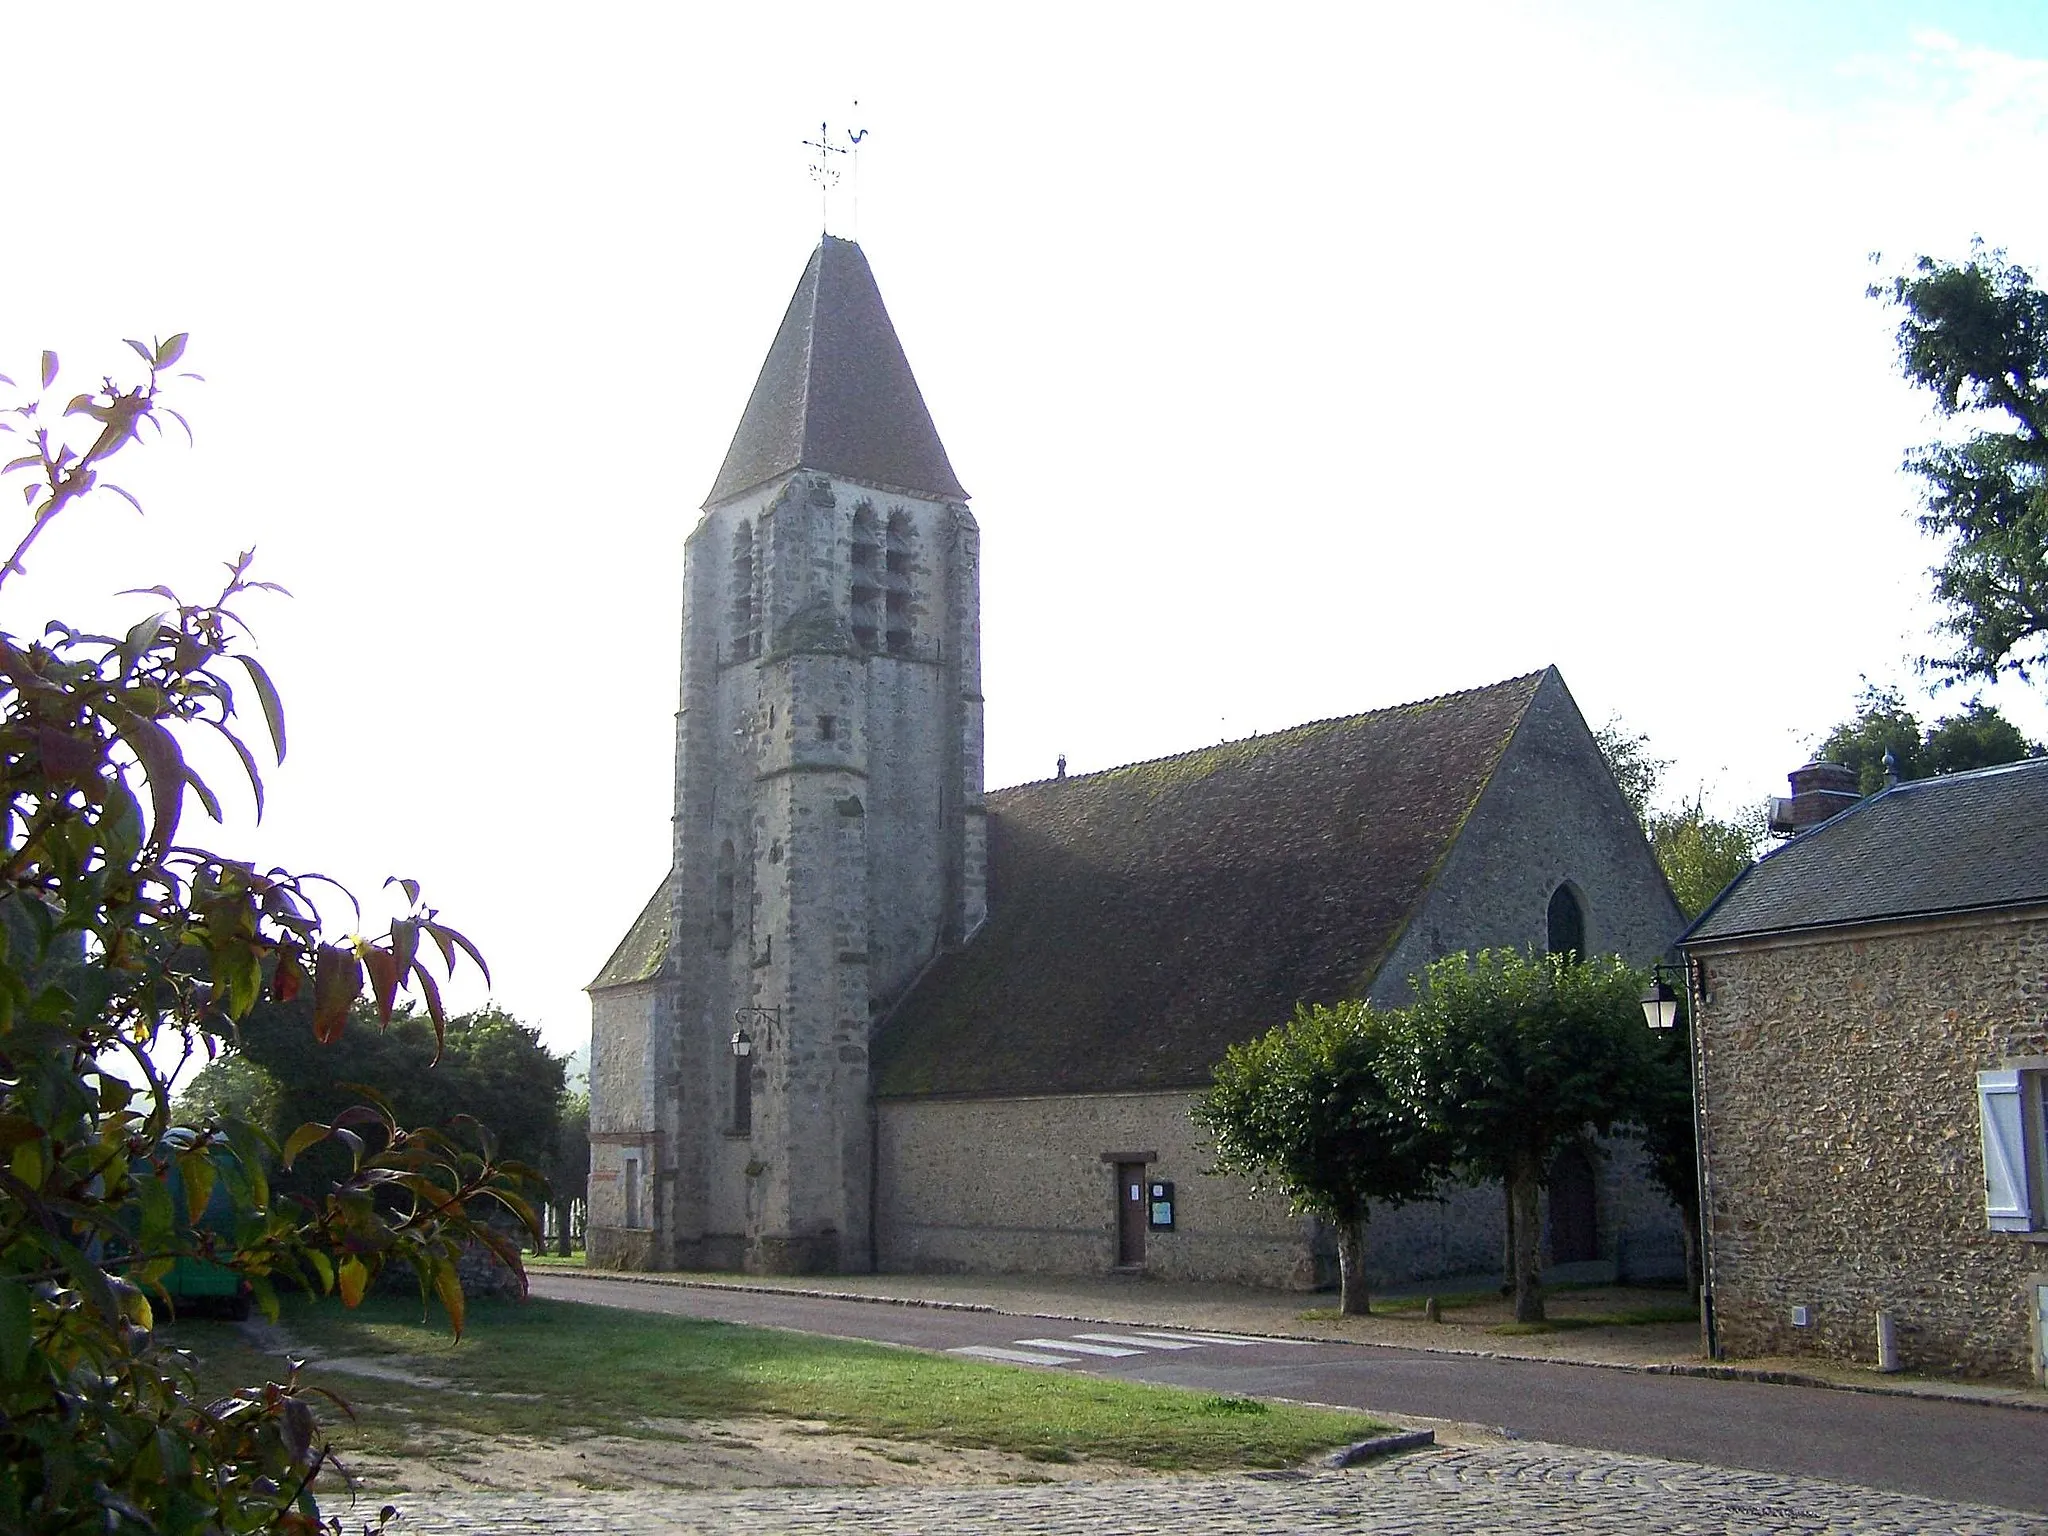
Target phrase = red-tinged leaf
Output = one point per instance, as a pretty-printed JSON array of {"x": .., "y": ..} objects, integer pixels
[
  {"x": 172, "y": 350},
  {"x": 305, "y": 1136},
  {"x": 273, "y": 707},
  {"x": 383, "y": 971},
  {"x": 178, "y": 417},
  {"x": 432, "y": 994},
  {"x": 21, "y": 463},
  {"x": 65, "y": 757},
  {"x": 410, "y": 887},
  {"x": 352, "y": 1278},
  {"x": 147, "y": 356},
  {"x": 108, "y": 485},
  {"x": 337, "y": 981},
  {"x": 140, "y": 637},
  {"x": 405, "y": 945},
  {"x": 289, "y": 979},
  {"x": 206, "y": 796},
  {"x": 164, "y": 766},
  {"x": 449, "y": 1289},
  {"x": 6, "y": 380},
  {"x": 49, "y": 368},
  {"x": 248, "y": 764},
  {"x": 444, "y": 936}
]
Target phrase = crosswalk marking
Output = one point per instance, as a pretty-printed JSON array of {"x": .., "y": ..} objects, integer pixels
[
  {"x": 1109, "y": 1350},
  {"x": 1014, "y": 1356},
  {"x": 1234, "y": 1340},
  {"x": 1142, "y": 1340}
]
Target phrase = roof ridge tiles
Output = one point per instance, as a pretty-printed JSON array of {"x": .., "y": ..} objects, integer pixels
[{"x": 1289, "y": 730}]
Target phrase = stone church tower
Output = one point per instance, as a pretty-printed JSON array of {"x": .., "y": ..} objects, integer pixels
[{"x": 828, "y": 835}]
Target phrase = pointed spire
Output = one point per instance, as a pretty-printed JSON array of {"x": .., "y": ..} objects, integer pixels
[{"x": 836, "y": 392}]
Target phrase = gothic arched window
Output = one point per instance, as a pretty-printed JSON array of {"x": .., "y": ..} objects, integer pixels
[
  {"x": 896, "y": 588},
  {"x": 746, "y": 608},
  {"x": 1566, "y": 924},
  {"x": 864, "y": 591}
]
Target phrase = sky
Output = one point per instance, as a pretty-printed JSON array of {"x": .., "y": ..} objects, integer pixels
[{"x": 1300, "y": 361}]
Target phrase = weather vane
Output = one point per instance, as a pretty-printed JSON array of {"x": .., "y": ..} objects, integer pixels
[{"x": 826, "y": 174}]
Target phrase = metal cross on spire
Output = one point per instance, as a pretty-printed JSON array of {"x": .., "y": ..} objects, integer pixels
[{"x": 826, "y": 174}]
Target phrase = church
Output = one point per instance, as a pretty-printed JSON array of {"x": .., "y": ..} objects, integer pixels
[{"x": 876, "y": 1018}]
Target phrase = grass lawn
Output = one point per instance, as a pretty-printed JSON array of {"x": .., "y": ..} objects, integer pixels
[
  {"x": 550, "y": 1368},
  {"x": 1568, "y": 1306}
]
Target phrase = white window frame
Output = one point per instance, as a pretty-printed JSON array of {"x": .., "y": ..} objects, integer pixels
[{"x": 2012, "y": 1121}]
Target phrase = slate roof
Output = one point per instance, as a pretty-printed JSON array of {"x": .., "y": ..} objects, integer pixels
[
  {"x": 1959, "y": 843},
  {"x": 836, "y": 392},
  {"x": 1143, "y": 919},
  {"x": 641, "y": 952}
]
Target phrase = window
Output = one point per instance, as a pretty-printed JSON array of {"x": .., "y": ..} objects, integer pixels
[
  {"x": 896, "y": 582},
  {"x": 1566, "y": 925},
  {"x": 742, "y": 1095},
  {"x": 828, "y": 727},
  {"x": 864, "y": 592},
  {"x": 2014, "y": 1127},
  {"x": 746, "y": 608}
]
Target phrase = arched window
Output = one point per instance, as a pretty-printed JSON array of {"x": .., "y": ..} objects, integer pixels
[
  {"x": 1567, "y": 924},
  {"x": 721, "y": 899},
  {"x": 864, "y": 593},
  {"x": 896, "y": 588},
  {"x": 746, "y": 608}
]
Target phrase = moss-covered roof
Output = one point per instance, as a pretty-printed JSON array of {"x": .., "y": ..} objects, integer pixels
[
  {"x": 641, "y": 952},
  {"x": 1143, "y": 919}
]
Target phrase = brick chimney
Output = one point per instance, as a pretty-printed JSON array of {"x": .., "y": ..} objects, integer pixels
[{"x": 1819, "y": 790}]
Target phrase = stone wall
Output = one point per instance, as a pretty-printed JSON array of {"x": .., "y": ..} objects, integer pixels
[
  {"x": 1027, "y": 1185},
  {"x": 1840, "y": 1131}
]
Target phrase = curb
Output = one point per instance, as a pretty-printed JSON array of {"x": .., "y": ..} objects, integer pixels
[
  {"x": 1989, "y": 1397},
  {"x": 1380, "y": 1445}
]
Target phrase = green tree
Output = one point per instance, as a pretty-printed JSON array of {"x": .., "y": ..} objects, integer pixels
[
  {"x": 1517, "y": 1057},
  {"x": 1670, "y": 1142},
  {"x": 568, "y": 1170},
  {"x": 121, "y": 938},
  {"x": 1698, "y": 853},
  {"x": 1979, "y": 737},
  {"x": 485, "y": 1065},
  {"x": 1975, "y": 336},
  {"x": 1315, "y": 1110},
  {"x": 232, "y": 1087}
]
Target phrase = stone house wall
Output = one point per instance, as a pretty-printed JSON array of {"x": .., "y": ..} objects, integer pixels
[
  {"x": 1027, "y": 1185},
  {"x": 1840, "y": 1133}
]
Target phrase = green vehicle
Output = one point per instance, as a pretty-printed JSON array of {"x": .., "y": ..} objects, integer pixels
[{"x": 201, "y": 1285}]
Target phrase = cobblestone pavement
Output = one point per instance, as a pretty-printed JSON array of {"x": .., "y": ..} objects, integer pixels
[{"x": 1528, "y": 1489}]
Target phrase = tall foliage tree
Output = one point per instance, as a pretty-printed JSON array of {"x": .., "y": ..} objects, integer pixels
[
  {"x": 1318, "y": 1110},
  {"x": 1698, "y": 852},
  {"x": 1516, "y": 1058},
  {"x": 1974, "y": 335},
  {"x": 120, "y": 937},
  {"x": 1883, "y": 725}
]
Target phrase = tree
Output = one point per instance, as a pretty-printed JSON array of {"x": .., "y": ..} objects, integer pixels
[
  {"x": 568, "y": 1170},
  {"x": 119, "y": 937},
  {"x": 1979, "y": 737},
  {"x": 1517, "y": 1057},
  {"x": 1670, "y": 1139},
  {"x": 485, "y": 1065},
  {"x": 1698, "y": 853},
  {"x": 1975, "y": 336},
  {"x": 1315, "y": 1109}
]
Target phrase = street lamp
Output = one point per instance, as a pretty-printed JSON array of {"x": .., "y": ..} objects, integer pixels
[{"x": 1660, "y": 1000}]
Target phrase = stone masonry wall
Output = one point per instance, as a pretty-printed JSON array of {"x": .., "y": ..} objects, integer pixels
[
  {"x": 1840, "y": 1122},
  {"x": 1023, "y": 1186}
]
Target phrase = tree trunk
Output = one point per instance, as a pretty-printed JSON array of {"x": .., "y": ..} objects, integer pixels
[
  {"x": 1507, "y": 1249},
  {"x": 1353, "y": 1300},
  {"x": 1690, "y": 1232},
  {"x": 562, "y": 1229},
  {"x": 1524, "y": 1186}
]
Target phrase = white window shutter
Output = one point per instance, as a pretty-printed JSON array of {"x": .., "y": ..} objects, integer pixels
[{"x": 2007, "y": 1207}]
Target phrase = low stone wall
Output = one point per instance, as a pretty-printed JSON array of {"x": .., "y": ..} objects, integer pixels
[{"x": 1840, "y": 1126}]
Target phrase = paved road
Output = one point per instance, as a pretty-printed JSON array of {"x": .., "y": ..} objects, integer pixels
[
  {"x": 1528, "y": 1490},
  {"x": 1941, "y": 1450}
]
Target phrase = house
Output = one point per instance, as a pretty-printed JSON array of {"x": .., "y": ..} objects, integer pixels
[
  {"x": 873, "y": 1017},
  {"x": 1871, "y": 1046}
]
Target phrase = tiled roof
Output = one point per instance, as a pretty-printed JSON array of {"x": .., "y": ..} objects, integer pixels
[
  {"x": 836, "y": 393},
  {"x": 1143, "y": 919},
  {"x": 1959, "y": 843},
  {"x": 641, "y": 952}
]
